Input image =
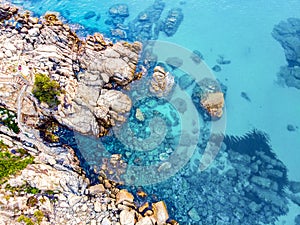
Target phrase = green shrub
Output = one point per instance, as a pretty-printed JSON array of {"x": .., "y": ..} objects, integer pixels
[
  {"x": 3, "y": 147},
  {"x": 11, "y": 164},
  {"x": 39, "y": 215},
  {"x": 25, "y": 219},
  {"x": 46, "y": 90}
]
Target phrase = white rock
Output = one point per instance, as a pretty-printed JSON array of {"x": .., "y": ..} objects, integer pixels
[
  {"x": 74, "y": 199},
  {"x": 127, "y": 217},
  {"x": 106, "y": 221},
  {"x": 34, "y": 32},
  {"x": 97, "y": 206}
]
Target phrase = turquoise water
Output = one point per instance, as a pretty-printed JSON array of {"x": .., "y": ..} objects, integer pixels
[{"x": 241, "y": 32}]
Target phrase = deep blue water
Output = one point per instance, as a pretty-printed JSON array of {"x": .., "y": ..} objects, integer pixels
[{"x": 233, "y": 171}]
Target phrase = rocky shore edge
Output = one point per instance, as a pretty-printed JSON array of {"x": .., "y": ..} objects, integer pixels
[{"x": 52, "y": 188}]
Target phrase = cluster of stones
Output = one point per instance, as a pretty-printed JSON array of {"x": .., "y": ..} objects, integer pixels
[
  {"x": 147, "y": 25},
  {"x": 85, "y": 70},
  {"x": 66, "y": 196},
  {"x": 256, "y": 189},
  {"x": 287, "y": 34}
]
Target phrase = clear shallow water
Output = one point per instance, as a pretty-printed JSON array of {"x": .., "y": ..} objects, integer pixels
[{"x": 241, "y": 31}]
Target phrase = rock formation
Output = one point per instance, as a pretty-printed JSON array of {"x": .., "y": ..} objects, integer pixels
[
  {"x": 85, "y": 70},
  {"x": 162, "y": 82},
  {"x": 208, "y": 94},
  {"x": 287, "y": 33},
  {"x": 213, "y": 103}
]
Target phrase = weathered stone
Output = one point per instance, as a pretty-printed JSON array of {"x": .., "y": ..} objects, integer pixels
[
  {"x": 162, "y": 82},
  {"x": 96, "y": 189},
  {"x": 74, "y": 199},
  {"x": 124, "y": 195},
  {"x": 127, "y": 217},
  {"x": 145, "y": 221},
  {"x": 213, "y": 103},
  {"x": 160, "y": 212}
]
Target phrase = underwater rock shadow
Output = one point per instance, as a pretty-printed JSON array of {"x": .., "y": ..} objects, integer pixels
[{"x": 256, "y": 144}]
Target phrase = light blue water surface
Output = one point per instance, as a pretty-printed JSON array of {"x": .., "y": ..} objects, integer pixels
[{"x": 240, "y": 31}]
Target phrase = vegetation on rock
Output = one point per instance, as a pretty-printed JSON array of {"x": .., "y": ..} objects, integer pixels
[
  {"x": 37, "y": 218},
  {"x": 9, "y": 119},
  {"x": 46, "y": 90},
  {"x": 10, "y": 163}
]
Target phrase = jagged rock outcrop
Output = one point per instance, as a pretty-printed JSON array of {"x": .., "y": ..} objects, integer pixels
[
  {"x": 84, "y": 69},
  {"x": 209, "y": 95},
  {"x": 162, "y": 82},
  {"x": 213, "y": 103}
]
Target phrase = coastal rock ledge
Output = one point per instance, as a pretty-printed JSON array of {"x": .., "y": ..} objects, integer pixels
[{"x": 86, "y": 70}]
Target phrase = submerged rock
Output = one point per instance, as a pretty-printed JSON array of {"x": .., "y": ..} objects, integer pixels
[
  {"x": 196, "y": 56},
  {"x": 222, "y": 61},
  {"x": 217, "y": 68},
  {"x": 288, "y": 35},
  {"x": 88, "y": 15},
  {"x": 119, "y": 10},
  {"x": 172, "y": 21},
  {"x": 174, "y": 62},
  {"x": 290, "y": 127},
  {"x": 290, "y": 76},
  {"x": 186, "y": 81}
]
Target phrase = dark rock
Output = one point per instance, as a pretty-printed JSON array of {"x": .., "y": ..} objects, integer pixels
[
  {"x": 297, "y": 220},
  {"x": 245, "y": 96},
  {"x": 142, "y": 27},
  {"x": 290, "y": 127},
  {"x": 180, "y": 105},
  {"x": 290, "y": 76},
  {"x": 88, "y": 15},
  {"x": 185, "y": 81},
  {"x": 174, "y": 62},
  {"x": 295, "y": 199},
  {"x": 196, "y": 56},
  {"x": 222, "y": 61},
  {"x": 98, "y": 17},
  {"x": 173, "y": 21},
  {"x": 294, "y": 186},
  {"x": 288, "y": 35},
  {"x": 217, "y": 68}
]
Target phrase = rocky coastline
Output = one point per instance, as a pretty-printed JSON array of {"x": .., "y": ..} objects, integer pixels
[{"x": 53, "y": 188}]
